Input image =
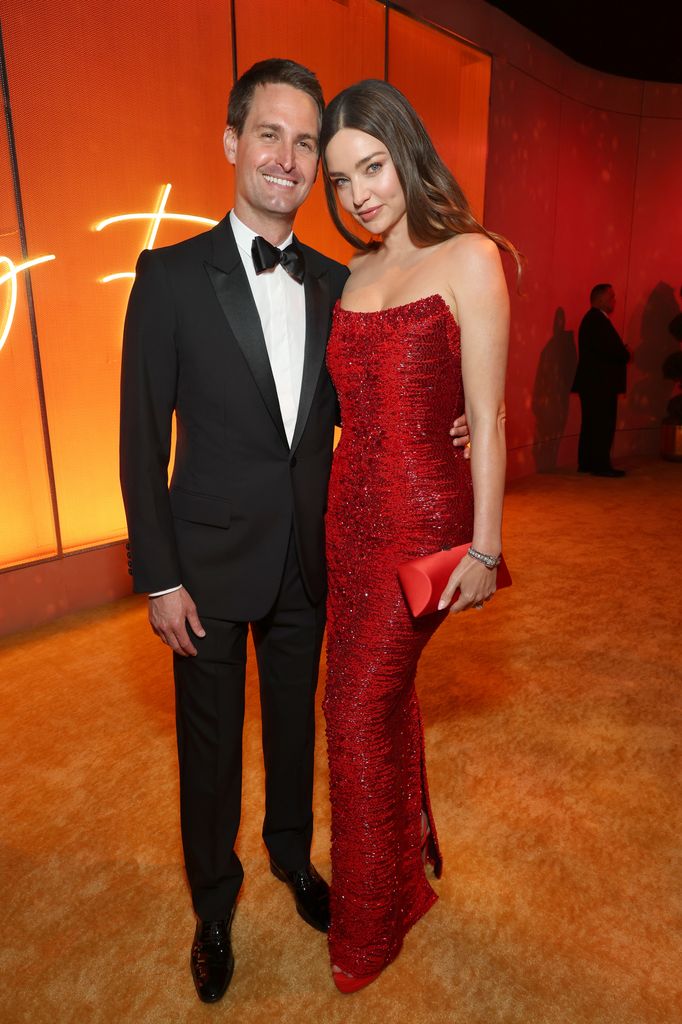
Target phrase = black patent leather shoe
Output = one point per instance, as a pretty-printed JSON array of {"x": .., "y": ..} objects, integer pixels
[
  {"x": 212, "y": 960},
  {"x": 311, "y": 893}
]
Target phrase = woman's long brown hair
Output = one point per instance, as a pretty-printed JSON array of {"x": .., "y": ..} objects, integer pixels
[{"x": 437, "y": 208}]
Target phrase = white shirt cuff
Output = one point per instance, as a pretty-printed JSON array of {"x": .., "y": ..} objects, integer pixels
[{"x": 171, "y": 590}]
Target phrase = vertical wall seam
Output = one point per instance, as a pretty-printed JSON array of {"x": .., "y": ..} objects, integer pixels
[
  {"x": 19, "y": 207},
  {"x": 233, "y": 17},
  {"x": 488, "y": 145}
]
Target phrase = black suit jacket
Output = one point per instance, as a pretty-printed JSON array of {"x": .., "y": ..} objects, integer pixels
[
  {"x": 602, "y": 356},
  {"x": 193, "y": 345}
]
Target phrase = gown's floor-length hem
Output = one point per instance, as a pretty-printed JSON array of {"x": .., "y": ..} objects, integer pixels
[{"x": 407, "y": 927}]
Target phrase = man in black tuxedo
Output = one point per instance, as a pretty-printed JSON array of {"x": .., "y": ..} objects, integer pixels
[
  {"x": 229, "y": 330},
  {"x": 600, "y": 377},
  {"x": 236, "y": 348}
]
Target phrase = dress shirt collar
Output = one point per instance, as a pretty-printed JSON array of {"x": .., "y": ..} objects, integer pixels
[{"x": 244, "y": 236}]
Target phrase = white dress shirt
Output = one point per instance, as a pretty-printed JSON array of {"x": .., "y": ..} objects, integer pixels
[
  {"x": 281, "y": 306},
  {"x": 280, "y": 302}
]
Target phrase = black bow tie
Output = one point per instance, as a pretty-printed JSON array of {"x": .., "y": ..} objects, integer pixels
[{"x": 266, "y": 256}]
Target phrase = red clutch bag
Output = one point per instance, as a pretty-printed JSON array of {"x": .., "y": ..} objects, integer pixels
[{"x": 423, "y": 579}]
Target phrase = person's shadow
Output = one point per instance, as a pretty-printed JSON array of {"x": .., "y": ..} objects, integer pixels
[
  {"x": 649, "y": 396},
  {"x": 551, "y": 393}
]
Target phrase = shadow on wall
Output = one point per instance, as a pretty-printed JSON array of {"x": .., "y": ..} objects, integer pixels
[
  {"x": 649, "y": 396},
  {"x": 551, "y": 393}
]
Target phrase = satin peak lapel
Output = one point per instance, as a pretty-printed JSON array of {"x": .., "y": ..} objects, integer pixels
[
  {"x": 234, "y": 295},
  {"x": 316, "y": 334}
]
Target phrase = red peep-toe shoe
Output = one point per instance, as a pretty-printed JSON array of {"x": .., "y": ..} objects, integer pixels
[{"x": 346, "y": 983}]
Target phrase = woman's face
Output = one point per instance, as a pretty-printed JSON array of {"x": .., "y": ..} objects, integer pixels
[{"x": 365, "y": 179}]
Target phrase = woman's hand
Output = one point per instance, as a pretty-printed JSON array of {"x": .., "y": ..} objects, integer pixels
[{"x": 475, "y": 582}]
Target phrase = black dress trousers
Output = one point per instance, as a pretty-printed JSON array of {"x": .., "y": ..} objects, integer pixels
[
  {"x": 597, "y": 427},
  {"x": 210, "y": 715}
]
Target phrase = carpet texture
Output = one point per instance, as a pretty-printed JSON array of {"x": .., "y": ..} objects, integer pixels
[{"x": 553, "y": 722}]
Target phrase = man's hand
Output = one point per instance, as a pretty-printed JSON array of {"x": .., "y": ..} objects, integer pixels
[
  {"x": 459, "y": 432},
  {"x": 168, "y": 616}
]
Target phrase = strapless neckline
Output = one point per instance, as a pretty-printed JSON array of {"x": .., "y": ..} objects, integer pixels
[{"x": 404, "y": 305}]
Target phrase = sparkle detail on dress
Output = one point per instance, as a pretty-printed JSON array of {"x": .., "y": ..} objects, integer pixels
[{"x": 398, "y": 489}]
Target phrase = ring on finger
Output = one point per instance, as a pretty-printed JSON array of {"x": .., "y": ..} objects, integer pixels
[{"x": 478, "y": 606}]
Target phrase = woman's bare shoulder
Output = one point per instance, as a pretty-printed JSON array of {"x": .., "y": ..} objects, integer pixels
[
  {"x": 470, "y": 245},
  {"x": 473, "y": 255}
]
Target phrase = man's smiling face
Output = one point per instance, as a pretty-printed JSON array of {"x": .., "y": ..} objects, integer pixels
[{"x": 275, "y": 157}]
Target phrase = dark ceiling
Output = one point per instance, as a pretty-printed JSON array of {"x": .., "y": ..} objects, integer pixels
[{"x": 638, "y": 40}]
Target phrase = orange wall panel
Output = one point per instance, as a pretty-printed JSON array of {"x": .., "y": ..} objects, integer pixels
[
  {"x": 26, "y": 522},
  {"x": 655, "y": 270},
  {"x": 448, "y": 84},
  {"x": 525, "y": 132},
  {"x": 596, "y": 171},
  {"x": 109, "y": 102},
  {"x": 588, "y": 195}
]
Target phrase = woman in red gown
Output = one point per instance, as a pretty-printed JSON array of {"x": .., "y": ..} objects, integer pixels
[{"x": 420, "y": 333}]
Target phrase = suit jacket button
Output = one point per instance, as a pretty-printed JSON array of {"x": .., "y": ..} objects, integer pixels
[
  {"x": 130, "y": 572},
  {"x": 293, "y": 461}
]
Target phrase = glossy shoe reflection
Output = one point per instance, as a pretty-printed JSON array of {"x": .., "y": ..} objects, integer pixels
[
  {"x": 211, "y": 959},
  {"x": 310, "y": 892}
]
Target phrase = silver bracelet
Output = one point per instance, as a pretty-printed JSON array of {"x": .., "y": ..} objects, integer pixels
[{"x": 489, "y": 561}]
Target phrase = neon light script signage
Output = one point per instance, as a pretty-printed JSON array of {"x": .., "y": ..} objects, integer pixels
[
  {"x": 11, "y": 275},
  {"x": 155, "y": 217}
]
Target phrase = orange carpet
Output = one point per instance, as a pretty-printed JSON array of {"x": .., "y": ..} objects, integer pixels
[{"x": 553, "y": 723}]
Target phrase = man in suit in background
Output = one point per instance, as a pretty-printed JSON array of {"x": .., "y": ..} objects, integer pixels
[
  {"x": 229, "y": 331},
  {"x": 600, "y": 377}
]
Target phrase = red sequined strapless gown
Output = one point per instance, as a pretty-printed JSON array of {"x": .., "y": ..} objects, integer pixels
[{"x": 398, "y": 489}]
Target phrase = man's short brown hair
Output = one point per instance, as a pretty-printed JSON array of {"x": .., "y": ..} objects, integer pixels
[{"x": 274, "y": 71}]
